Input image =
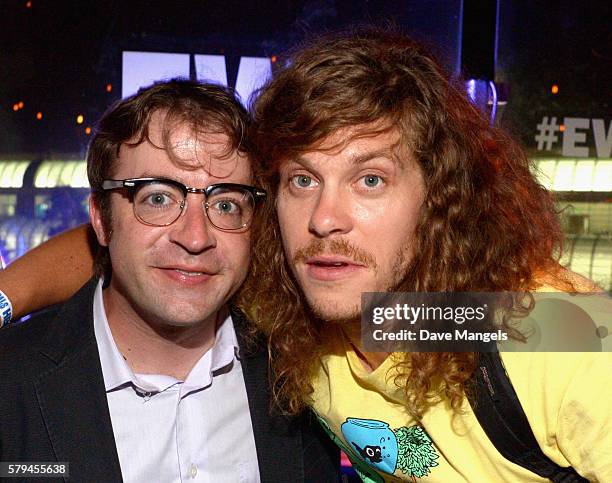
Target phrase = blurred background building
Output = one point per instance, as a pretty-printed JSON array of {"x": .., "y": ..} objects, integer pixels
[{"x": 541, "y": 69}]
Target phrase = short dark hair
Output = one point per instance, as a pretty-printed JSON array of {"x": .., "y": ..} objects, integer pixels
[{"x": 206, "y": 108}]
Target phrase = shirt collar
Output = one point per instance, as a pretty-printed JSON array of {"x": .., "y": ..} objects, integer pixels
[
  {"x": 116, "y": 371},
  {"x": 221, "y": 355}
]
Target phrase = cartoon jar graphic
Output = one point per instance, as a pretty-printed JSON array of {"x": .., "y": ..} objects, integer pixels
[{"x": 374, "y": 441}]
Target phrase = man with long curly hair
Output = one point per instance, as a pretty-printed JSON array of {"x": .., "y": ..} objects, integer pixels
[{"x": 385, "y": 178}]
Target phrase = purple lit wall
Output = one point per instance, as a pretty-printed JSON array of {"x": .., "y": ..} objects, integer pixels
[{"x": 141, "y": 69}]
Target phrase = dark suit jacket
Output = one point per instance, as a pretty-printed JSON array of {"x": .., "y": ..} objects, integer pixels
[{"x": 53, "y": 405}]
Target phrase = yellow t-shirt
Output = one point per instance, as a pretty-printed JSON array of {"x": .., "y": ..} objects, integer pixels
[{"x": 567, "y": 398}]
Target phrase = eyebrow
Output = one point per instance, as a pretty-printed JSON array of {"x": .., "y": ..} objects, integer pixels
[
  {"x": 147, "y": 174},
  {"x": 359, "y": 158},
  {"x": 184, "y": 182},
  {"x": 381, "y": 153}
]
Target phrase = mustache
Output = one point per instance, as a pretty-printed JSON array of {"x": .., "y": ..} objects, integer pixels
[{"x": 334, "y": 247}]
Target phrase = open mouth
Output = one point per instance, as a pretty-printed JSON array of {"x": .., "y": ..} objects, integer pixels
[
  {"x": 189, "y": 274},
  {"x": 186, "y": 276},
  {"x": 330, "y": 269},
  {"x": 329, "y": 264}
]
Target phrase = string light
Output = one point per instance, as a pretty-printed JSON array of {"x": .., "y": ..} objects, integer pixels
[
  {"x": 109, "y": 88},
  {"x": 39, "y": 115},
  {"x": 554, "y": 89},
  {"x": 80, "y": 119},
  {"x": 88, "y": 130}
]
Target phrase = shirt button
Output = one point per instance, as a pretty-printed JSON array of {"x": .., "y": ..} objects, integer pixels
[{"x": 193, "y": 470}]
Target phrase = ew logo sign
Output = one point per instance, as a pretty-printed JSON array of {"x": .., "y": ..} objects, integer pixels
[
  {"x": 141, "y": 69},
  {"x": 575, "y": 130}
]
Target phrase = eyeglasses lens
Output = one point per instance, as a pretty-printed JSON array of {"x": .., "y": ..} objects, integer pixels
[{"x": 161, "y": 204}]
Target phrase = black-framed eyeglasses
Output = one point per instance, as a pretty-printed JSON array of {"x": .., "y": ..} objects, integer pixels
[{"x": 160, "y": 201}]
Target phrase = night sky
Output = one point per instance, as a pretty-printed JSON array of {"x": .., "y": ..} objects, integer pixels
[{"x": 57, "y": 57}]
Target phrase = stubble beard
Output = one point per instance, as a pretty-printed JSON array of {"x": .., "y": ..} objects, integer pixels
[{"x": 335, "y": 312}]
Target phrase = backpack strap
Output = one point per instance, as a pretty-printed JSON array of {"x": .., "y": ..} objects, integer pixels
[{"x": 501, "y": 416}]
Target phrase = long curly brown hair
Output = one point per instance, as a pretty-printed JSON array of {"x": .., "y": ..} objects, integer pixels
[{"x": 486, "y": 224}]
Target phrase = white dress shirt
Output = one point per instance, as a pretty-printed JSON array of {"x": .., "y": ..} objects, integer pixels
[{"x": 167, "y": 430}]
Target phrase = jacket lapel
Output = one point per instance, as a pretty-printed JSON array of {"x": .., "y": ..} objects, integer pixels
[
  {"x": 277, "y": 439},
  {"x": 72, "y": 396}
]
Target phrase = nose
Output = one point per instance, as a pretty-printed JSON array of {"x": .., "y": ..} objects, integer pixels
[
  {"x": 331, "y": 213},
  {"x": 193, "y": 230}
]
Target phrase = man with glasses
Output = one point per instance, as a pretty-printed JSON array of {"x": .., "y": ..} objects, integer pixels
[{"x": 146, "y": 374}]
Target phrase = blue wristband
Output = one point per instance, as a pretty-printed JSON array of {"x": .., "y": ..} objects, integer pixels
[{"x": 6, "y": 309}]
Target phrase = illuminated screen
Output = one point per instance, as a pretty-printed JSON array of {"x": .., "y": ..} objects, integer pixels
[{"x": 141, "y": 69}]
